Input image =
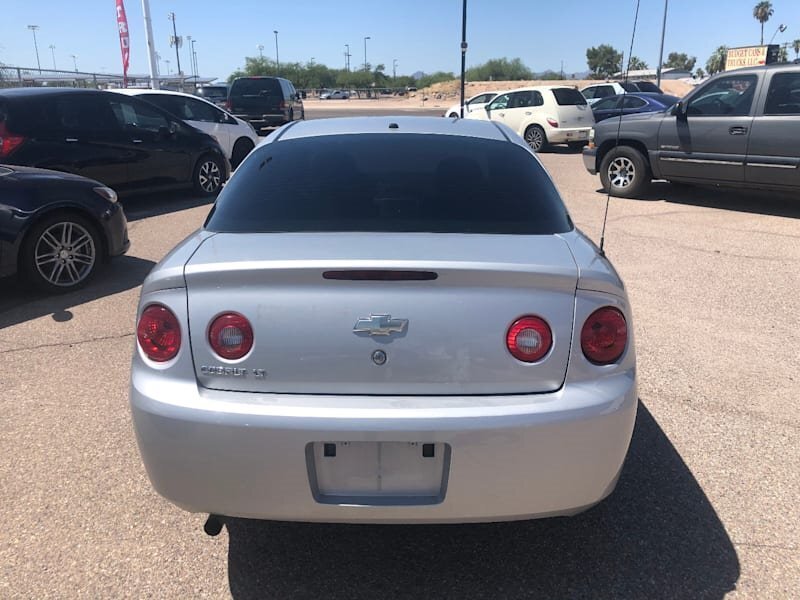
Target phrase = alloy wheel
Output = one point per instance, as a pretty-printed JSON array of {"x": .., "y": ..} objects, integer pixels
[
  {"x": 621, "y": 172},
  {"x": 534, "y": 138},
  {"x": 209, "y": 176},
  {"x": 65, "y": 254}
]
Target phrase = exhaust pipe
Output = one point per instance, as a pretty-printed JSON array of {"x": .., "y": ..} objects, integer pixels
[{"x": 213, "y": 525}]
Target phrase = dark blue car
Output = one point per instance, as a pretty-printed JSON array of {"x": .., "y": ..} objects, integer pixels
[{"x": 631, "y": 103}]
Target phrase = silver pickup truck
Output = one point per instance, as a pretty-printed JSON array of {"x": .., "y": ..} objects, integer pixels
[{"x": 740, "y": 128}]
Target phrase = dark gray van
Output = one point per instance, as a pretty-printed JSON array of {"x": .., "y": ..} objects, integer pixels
[
  {"x": 265, "y": 102},
  {"x": 740, "y": 128}
]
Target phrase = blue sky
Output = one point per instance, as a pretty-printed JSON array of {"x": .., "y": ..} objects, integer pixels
[{"x": 423, "y": 35}]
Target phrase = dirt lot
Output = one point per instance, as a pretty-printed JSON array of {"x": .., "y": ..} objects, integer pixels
[{"x": 706, "y": 506}]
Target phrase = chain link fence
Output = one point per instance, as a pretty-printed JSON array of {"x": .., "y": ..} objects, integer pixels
[{"x": 12, "y": 77}]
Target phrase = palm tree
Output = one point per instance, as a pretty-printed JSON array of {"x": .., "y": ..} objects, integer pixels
[
  {"x": 761, "y": 13},
  {"x": 716, "y": 61},
  {"x": 796, "y": 47}
]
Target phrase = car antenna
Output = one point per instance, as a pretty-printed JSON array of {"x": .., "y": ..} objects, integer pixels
[{"x": 619, "y": 127}]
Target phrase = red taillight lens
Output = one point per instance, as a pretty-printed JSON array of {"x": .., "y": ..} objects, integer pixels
[
  {"x": 529, "y": 339},
  {"x": 231, "y": 336},
  {"x": 159, "y": 333},
  {"x": 604, "y": 336},
  {"x": 552, "y": 122},
  {"x": 8, "y": 141}
]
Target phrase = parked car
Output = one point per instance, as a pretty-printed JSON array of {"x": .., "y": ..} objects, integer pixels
[
  {"x": 542, "y": 115},
  {"x": 265, "y": 102},
  {"x": 126, "y": 143},
  {"x": 740, "y": 128},
  {"x": 631, "y": 103},
  {"x": 475, "y": 103},
  {"x": 236, "y": 137},
  {"x": 595, "y": 92},
  {"x": 395, "y": 321},
  {"x": 334, "y": 95},
  {"x": 217, "y": 94},
  {"x": 56, "y": 229}
]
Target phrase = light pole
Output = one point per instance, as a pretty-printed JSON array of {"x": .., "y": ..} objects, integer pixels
[
  {"x": 169, "y": 71},
  {"x": 780, "y": 28},
  {"x": 175, "y": 40},
  {"x": 191, "y": 58},
  {"x": 260, "y": 51},
  {"x": 74, "y": 61},
  {"x": 158, "y": 63},
  {"x": 661, "y": 52},
  {"x": 347, "y": 58},
  {"x": 277, "y": 57},
  {"x": 194, "y": 57},
  {"x": 463, "y": 55},
  {"x": 394, "y": 68},
  {"x": 53, "y": 53},
  {"x": 33, "y": 29},
  {"x": 366, "y": 67}
]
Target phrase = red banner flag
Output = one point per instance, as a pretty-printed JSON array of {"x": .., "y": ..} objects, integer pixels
[{"x": 124, "y": 40}]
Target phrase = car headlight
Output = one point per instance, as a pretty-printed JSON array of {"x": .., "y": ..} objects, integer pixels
[{"x": 106, "y": 193}]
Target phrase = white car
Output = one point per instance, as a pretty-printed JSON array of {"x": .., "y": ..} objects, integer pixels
[
  {"x": 475, "y": 103},
  {"x": 237, "y": 137},
  {"x": 598, "y": 91},
  {"x": 334, "y": 95},
  {"x": 542, "y": 115}
]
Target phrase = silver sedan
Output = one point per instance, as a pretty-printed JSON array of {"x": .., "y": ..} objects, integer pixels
[{"x": 385, "y": 320}]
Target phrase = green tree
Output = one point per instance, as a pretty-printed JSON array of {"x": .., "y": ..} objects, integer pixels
[
  {"x": 761, "y": 13},
  {"x": 681, "y": 61},
  {"x": 796, "y": 48},
  {"x": 428, "y": 80},
  {"x": 636, "y": 64},
  {"x": 603, "y": 61},
  {"x": 699, "y": 73},
  {"x": 716, "y": 62},
  {"x": 500, "y": 69}
]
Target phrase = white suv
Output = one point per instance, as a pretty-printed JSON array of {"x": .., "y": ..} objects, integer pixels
[{"x": 542, "y": 115}]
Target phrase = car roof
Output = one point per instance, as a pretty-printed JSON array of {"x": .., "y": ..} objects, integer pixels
[
  {"x": 407, "y": 125},
  {"x": 44, "y": 91},
  {"x": 539, "y": 88},
  {"x": 140, "y": 91}
]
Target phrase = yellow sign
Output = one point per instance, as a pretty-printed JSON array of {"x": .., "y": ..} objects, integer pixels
[{"x": 751, "y": 56}]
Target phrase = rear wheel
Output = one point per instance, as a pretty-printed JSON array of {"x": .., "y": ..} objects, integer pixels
[
  {"x": 208, "y": 175},
  {"x": 453, "y": 115},
  {"x": 535, "y": 138},
  {"x": 624, "y": 172},
  {"x": 61, "y": 253},
  {"x": 241, "y": 149}
]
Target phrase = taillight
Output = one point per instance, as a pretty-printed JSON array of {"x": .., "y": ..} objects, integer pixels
[
  {"x": 159, "y": 333},
  {"x": 231, "y": 335},
  {"x": 552, "y": 122},
  {"x": 604, "y": 336},
  {"x": 529, "y": 339},
  {"x": 8, "y": 141}
]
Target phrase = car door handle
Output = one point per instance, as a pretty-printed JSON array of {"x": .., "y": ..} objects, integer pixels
[
  {"x": 528, "y": 113},
  {"x": 137, "y": 141},
  {"x": 501, "y": 114},
  {"x": 737, "y": 130},
  {"x": 71, "y": 140}
]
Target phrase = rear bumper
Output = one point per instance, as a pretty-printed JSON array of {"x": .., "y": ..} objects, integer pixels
[
  {"x": 116, "y": 226},
  {"x": 260, "y": 121},
  {"x": 562, "y": 135},
  {"x": 510, "y": 457},
  {"x": 590, "y": 160}
]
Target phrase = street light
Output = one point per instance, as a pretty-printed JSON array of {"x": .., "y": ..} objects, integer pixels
[
  {"x": 277, "y": 58},
  {"x": 394, "y": 68},
  {"x": 53, "y": 52},
  {"x": 260, "y": 51},
  {"x": 347, "y": 58},
  {"x": 175, "y": 40},
  {"x": 74, "y": 61},
  {"x": 33, "y": 29},
  {"x": 781, "y": 28},
  {"x": 366, "y": 68}
]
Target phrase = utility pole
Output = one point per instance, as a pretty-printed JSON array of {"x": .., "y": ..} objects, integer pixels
[
  {"x": 194, "y": 58},
  {"x": 463, "y": 53},
  {"x": 33, "y": 29},
  {"x": 74, "y": 61},
  {"x": 277, "y": 56},
  {"x": 152, "y": 55},
  {"x": 53, "y": 53},
  {"x": 661, "y": 52},
  {"x": 394, "y": 68},
  {"x": 260, "y": 51},
  {"x": 176, "y": 40},
  {"x": 347, "y": 58},
  {"x": 562, "y": 70},
  {"x": 366, "y": 67},
  {"x": 191, "y": 57}
]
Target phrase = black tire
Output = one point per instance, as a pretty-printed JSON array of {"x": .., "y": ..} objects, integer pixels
[
  {"x": 208, "y": 175},
  {"x": 241, "y": 149},
  {"x": 536, "y": 138},
  {"x": 453, "y": 115},
  {"x": 624, "y": 172},
  {"x": 576, "y": 145},
  {"x": 60, "y": 253}
]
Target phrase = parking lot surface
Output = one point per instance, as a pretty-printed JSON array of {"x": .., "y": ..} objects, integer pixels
[{"x": 706, "y": 506}]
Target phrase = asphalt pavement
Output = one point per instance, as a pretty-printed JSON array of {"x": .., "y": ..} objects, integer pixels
[{"x": 706, "y": 506}]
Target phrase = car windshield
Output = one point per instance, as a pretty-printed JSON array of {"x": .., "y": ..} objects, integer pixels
[
  {"x": 391, "y": 182},
  {"x": 568, "y": 97}
]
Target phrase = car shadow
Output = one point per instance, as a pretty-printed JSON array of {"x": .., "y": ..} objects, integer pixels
[
  {"x": 143, "y": 206},
  {"x": 656, "y": 536},
  {"x": 764, "y": 203},
  {"x": 19, "y": 303}
]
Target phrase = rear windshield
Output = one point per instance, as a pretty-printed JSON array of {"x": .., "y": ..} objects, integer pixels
[
  {"x": 568, "y": 97},
  {"x": 212, "y": 92},
  {"x": 256, "y": 87},
  {"x": 648, "y": 86},
  {"x": 390, "y": 182},
  {"x": 630, "y": 87}
]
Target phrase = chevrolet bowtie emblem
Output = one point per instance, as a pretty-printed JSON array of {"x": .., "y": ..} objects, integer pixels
[{"x": 380, "y": 325}]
